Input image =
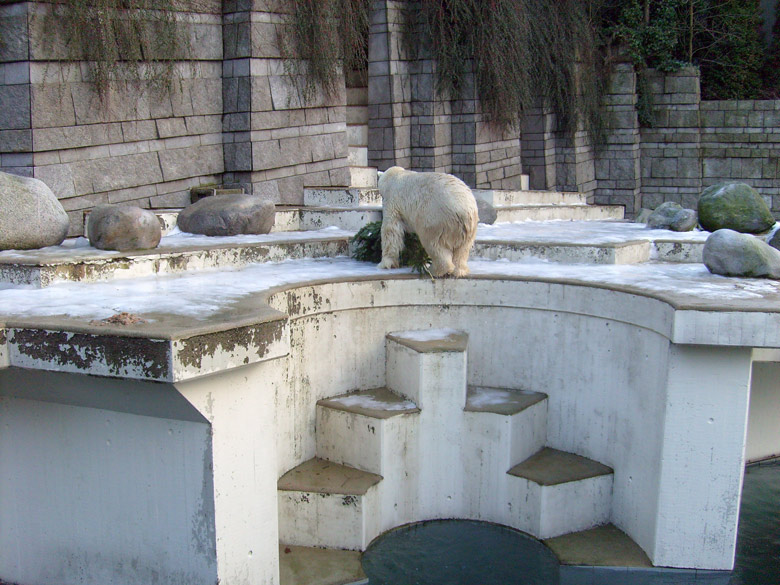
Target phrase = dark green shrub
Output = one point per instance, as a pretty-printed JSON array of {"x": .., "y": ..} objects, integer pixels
[{"x": 367, "y": 247}]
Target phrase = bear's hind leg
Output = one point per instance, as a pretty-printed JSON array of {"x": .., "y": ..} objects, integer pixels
[
  {"x": 441, "y": 261},
  {"x": 460, "y": 257},
  {"x": 392, "y": 241}
]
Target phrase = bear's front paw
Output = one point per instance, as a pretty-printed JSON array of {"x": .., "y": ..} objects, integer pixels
[{"x": 387, "y": 263}]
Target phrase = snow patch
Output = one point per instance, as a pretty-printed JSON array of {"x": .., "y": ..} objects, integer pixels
[
  {"x": 372, "y": 403},
  {"x": 426, "y": 334}
]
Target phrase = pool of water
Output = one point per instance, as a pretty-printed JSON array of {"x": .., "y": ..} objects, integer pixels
[
  {"x": 447, "y": 552},
  {"x": 758, "y": 540}
]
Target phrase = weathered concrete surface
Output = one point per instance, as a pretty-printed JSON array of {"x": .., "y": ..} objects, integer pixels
[{"x": 619, "y": 416}]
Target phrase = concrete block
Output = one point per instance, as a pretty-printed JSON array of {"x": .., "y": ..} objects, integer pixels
[
  {"x": 556, "y": 492},
  {"x": 328, "y": 505}
]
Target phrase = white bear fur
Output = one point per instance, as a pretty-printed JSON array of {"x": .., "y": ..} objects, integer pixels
[{"x": 439, "y": 208}]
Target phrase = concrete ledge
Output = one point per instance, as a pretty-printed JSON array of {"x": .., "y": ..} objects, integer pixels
[
  {"x": 553, "y": 467},
  {"x": 320, "y": 476},
  {"x": 432, "y": 340},
  {"x": 46, "y": 268},
  {"x": 564, "y": 252}
]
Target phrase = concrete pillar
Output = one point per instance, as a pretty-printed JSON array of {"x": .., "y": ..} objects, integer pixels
[
  {"x": 702, "y": 462},
  {"x": 243, "y": 430}
]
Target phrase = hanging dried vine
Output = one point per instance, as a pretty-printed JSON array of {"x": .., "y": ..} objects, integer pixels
[
  {"x": 521, "y": 51},
  {"x": 120, "y": 39},
  {"x": 325, "y": 38}
]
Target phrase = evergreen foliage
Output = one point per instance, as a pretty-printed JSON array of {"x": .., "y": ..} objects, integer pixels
[{"x": 367, "y": 247}]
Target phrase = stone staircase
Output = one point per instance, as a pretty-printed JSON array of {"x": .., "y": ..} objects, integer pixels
[{"x": 428, "y": 446}]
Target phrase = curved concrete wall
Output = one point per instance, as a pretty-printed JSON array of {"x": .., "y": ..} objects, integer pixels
[{"x": 600, "y": 355}]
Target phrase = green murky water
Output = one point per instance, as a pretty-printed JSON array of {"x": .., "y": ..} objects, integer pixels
[
  {"x": 758, "y": 541},
  {"x": 450, "y": 552}
]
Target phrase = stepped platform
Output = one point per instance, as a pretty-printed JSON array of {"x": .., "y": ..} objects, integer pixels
[{"x": 599, "y": 242}]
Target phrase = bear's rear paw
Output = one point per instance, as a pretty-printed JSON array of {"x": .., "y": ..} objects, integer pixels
[
  {"x": 461, "y": 271},
  {"x": 387, "y": 263}
]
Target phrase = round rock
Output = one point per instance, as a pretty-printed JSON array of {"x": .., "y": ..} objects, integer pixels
[
  {"x": 487, "y": 213},
  {"x": 671, "y": 216},
  {"x": 734, "y": 206},
  {"x": 123, "y": 227},
  {"x": 228, "y": 215},
  {"x": 731, "y": 253},
  {"x": 31, "y": 216}
]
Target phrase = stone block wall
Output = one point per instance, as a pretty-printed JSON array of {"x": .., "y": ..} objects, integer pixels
[
  {"x": 618, "y": 160},
  {"x": 694, "y": 144},
  {"x": 274, "y": 141},
  {"x": 741, "y": 140},
  {"x": 411, "y": 125},
  {"x": 136, "y": 145}
]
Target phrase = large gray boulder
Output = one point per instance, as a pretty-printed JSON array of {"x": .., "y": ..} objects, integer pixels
[
  {"x": 228, "y": 215},
  {"x": 731, "y": 253},
  {"x": 672, "y": 216},
  {"x": 123, "y": 227},
  {"x": 487, "y": 213},
  {"x": 734, "y": 206},
  {"x": 31, "y": 216}
]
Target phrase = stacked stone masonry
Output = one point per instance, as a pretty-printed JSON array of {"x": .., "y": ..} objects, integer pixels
[{"x": 235, "y": 115}]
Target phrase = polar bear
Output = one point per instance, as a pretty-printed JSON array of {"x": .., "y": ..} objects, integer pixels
[{"x": 438, "y": 207}]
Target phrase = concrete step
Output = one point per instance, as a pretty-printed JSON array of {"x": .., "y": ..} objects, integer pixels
[
  {"x": 353, "y": 428},
  {"x": 43, "y": 268},
  {"x": 502, "y": 427},
  {"x": 357, "y": 134},
  {"x": 342, "y": 197},
  {"x": 294, "y": 218},
  {"x": 363, "y": 177},
  {"x": 306, "y": 565},
  {"x": 509, "y": 213},
  {"x": 632, "y": 252},
  {"x": 498, "y": 197},
  {"x": 325, "y": 504},
  {"x": 514, "y": 422},
  {"x": 421, "y": 365},
  {"x": 558, "y": 492},
  {"x": 603, "y": 546},
  {"x": 357, "y": 156}
]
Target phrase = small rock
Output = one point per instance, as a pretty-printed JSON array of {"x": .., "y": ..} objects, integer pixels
[
  {"x": 672, "y": 216},
  {"x": 123, "y": 227},
  {"x": 487, "y": 213},
  {"x": 734, "y": 206},
  {"x": 643, "y": 215},
  {"x": 228, "y": 215},
  {"x": 31, "y": 216},
  {"x": 732, "y": 253}
]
